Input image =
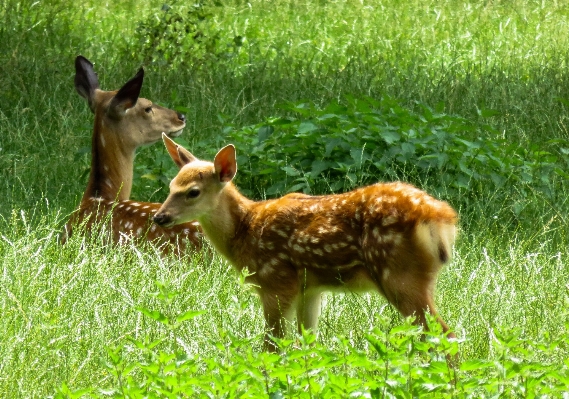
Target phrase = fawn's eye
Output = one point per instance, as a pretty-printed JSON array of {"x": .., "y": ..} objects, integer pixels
[
  {"x": 148, "y": 109},
  {"x": 193, "y": 193}
]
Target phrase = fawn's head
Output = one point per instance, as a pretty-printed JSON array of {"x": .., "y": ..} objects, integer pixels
[
  {"x": 122, "y": 113},
  {"x": 195, "y": 191}
]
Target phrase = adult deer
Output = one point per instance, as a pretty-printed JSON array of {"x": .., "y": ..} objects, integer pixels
[
  {"x": 123, "y": 122},
  {"x": 392, "y": 238}
]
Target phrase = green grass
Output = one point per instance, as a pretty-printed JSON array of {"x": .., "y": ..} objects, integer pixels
[{"x": 497, "y": 63}]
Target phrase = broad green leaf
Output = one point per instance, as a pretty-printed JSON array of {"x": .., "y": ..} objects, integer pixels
[
  {"x": 320, "y": 166},
  {"x": 290, "y": 171},
  {"x": 307, "y": 127},
  {"x": 188, "y": 315},
  {"x": 154, "y": 314},
  {"x": 390, "y": 136}
]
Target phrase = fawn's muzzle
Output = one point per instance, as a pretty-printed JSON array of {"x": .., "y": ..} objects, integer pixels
[{"x": 162, "y": 219}]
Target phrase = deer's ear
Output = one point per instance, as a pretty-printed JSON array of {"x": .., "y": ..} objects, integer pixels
[
  {"x": 179, "y": 154},
  {"x": 86, "y": 80},
  {"x": 225, "y": 163},
  {"x": 127, "y": 96}
]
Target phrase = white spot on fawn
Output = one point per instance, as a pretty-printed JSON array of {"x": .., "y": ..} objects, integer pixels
[
  {"x": 298, "y": 248},
  {"x": 386, "y": 221}
]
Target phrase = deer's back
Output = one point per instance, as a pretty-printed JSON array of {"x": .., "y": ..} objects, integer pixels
[{"x": 121, "y": 221}]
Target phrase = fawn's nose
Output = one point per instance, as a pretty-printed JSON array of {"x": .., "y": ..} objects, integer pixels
[
  {"x": 182, "y": 117},
  {"x": 162, "y": 219}
]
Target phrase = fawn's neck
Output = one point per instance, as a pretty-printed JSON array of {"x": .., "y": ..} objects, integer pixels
[
  {"x": 227, "y": 222},
  {"x": 112, "y": 163}
]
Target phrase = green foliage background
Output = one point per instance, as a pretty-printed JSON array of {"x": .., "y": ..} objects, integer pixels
[{"x": 466, "y": 99}]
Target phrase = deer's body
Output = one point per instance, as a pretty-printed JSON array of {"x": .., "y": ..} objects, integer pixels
[
  {"x": 392, "y": 238},
  {"x": 123, "y": 122}
]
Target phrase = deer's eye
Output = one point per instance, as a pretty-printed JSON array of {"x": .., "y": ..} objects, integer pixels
[
  {"x": 148, "y": 109},
  {"x": 193, "y": 193}
]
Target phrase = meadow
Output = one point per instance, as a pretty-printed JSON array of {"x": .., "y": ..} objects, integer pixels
[{"x": 468, "y": 100}]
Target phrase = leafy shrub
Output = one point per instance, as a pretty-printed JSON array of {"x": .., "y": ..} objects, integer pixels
[
  {"x": 183, "y": 35},
  {"x": 398, "y": 362},
  {"x": 338, "y": 147}
]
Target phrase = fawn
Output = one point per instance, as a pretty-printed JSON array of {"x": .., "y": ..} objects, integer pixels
[
  {"x": 123, "y": 122},
  {"x": 392, "y": 238}
]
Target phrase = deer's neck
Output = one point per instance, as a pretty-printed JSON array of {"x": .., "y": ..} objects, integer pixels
[
  {"x": 228, "y": 222},
  {"x": 112, "y": 163}
]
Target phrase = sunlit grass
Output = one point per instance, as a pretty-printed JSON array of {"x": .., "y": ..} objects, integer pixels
[{"x": 502, "y": 63}]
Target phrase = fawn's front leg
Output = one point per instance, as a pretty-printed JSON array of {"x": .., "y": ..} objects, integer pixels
[{"x": 277, "y": 310}]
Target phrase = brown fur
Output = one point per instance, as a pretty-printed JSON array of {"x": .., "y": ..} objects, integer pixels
[
  {"x": 123, "y": 122},
  {"x": 392, "y": 238}
]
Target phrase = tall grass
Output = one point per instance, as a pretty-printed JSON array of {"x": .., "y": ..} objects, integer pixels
[{"x": 497, "y": 63}]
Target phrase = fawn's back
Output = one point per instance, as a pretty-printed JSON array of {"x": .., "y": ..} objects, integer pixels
[{"x": 360, "y": 233}]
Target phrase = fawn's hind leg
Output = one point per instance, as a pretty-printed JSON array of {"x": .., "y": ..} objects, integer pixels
[
  {"x": 412, "y": 294},
  {"x": 308, "y": 309}
]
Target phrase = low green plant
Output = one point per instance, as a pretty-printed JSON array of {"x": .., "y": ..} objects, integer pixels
[
  {"x": 186, "y": 36},
  {"x": 397, "y": 362},
  {"x": 338, "y": 147}
]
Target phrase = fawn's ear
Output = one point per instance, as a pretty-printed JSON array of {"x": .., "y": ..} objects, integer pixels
[
  {"x": 179, "y": 154},
  {"x": 225, "y": 163},
  {"x": 86, "y": 80},
  {"x": 127, "y": 96}
]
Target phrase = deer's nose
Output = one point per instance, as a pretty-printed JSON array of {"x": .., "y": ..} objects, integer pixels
[
  {"x": 162, "y": 219},
  {"x": 182, "y": 117}
]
